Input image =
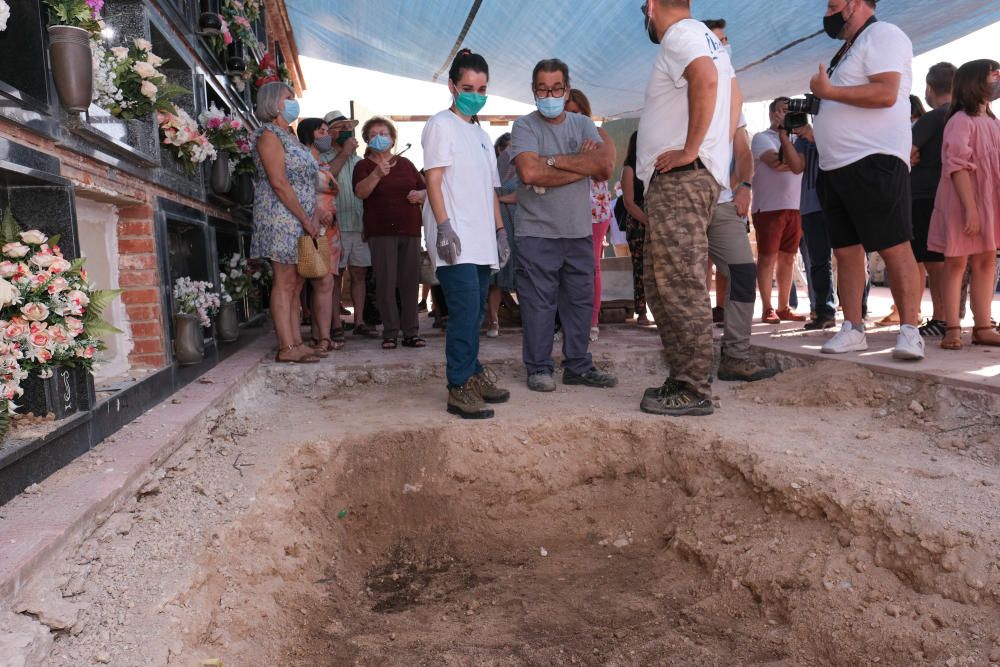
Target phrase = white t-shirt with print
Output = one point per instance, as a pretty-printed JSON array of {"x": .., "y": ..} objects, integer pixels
[
  {"x": 773, "y": 190},
  {"x": 727, "y": 194},
  {"x": 846, "y": 134},
  {"x": 470, "y": 176},
  {"x": 663, "y": 125}
]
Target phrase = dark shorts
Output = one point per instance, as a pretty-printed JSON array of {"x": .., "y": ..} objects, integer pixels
[
  {"x": 923, "y": 209},
  {"x": 867, "y": 203},
  {"x": 778, "y": 231}
]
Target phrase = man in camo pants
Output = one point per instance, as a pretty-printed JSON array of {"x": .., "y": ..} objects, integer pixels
[{"x": 685, "y": 151}]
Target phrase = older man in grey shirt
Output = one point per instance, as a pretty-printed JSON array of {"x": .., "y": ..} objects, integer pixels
[{"x": 556, "y": 154}]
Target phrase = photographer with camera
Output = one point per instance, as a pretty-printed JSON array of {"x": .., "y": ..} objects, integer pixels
[
  {"x": 777, "y": 187},
  {"x": 863, "y": 135}
]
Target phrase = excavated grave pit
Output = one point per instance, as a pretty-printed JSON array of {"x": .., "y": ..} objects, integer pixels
[
  {"x": 591, "y": 542},
  {"x": 620, "y": 540}
]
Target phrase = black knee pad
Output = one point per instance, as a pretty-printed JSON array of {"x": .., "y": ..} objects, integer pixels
[{"x": 743, "y": 282}]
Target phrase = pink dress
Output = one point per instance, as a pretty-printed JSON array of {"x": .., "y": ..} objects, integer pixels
[{"x": 973, "y": 144}]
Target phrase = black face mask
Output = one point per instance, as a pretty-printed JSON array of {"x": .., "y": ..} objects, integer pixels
[
  {"x": 834, "y": 25},
  {"x": 651, "y": 31},
  {"x": 344, "y": 136}
]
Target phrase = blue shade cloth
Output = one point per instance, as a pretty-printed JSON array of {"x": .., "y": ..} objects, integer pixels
[{"x": 777, "y": 43}]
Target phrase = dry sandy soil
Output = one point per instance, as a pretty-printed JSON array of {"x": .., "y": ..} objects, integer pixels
[{"x": 828, "y": 517}]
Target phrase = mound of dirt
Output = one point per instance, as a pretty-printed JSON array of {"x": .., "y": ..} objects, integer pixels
[{"x": 827, "y": 384}]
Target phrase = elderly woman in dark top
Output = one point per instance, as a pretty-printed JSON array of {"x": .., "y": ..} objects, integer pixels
[
  {"x": 284, "y": 209},
  {"x": 393, "y": 192}
]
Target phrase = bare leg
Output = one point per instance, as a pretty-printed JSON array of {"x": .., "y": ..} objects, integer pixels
[
  {"x": 902, "y": 267},
  {"x": 786, "y": 265},
  {"x": 358, "y": 288},
  {"x": 765, "y": 274},
  {"x": 721, "y": 289},
  {"x": 982, "y": 288},
  {"x": 295, "y": 312},
  {"x": 851, "y": 278},
  {"x": 935, "y": 277},
  {"x": 322, "y": 307},
  {"x": 954, "y": 271},
  {"x": 493, "y": 305}
]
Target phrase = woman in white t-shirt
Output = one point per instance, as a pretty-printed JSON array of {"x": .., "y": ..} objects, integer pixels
[{"x": 464, "y": 230}]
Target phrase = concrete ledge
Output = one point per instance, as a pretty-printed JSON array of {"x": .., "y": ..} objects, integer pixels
[{"x": 33, "y": 527}]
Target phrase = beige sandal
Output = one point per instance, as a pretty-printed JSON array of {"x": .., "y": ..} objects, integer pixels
[
  {"x": 302, "y": 358},
  {"x": 976, "y": 340},
  {"x": 952, "y": 343}
]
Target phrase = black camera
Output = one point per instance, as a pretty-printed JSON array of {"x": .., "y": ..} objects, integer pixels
[{"x": 799, "y": 110}]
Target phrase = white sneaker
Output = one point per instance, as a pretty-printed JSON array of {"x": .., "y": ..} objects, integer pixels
[
  {"x": 493, "y": 331},
  {"x": 558, "y": 337},
  {"x": 909, "y": 344},
  {"x": 595, "y": 333},
  {"x": 848, "y": 339}
]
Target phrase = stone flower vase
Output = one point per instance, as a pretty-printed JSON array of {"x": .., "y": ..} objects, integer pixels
[
  {"x": 228, "y": 323},
  {"x": 222, "y": 177},
  {"x": 72, "y": 69},
  {"x": 189, "y": 344}
]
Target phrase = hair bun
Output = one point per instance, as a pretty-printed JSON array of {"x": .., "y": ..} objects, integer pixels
[{"x": 465, "y": 52}]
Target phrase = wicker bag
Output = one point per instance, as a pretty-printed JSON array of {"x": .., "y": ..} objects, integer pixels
[{"x": 314, "y": 257}]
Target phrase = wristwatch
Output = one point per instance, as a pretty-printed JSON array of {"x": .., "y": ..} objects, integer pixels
[
  {"x": 746, "y": 185},
  {"x": 551, "y": 161}
]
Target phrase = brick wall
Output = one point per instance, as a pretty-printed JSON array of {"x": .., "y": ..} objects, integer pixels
[{"x": 139, "y": 278}]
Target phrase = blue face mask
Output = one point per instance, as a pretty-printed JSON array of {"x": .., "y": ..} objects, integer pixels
[
  {"x": 291, "y": 111},
  {"x": 550, "y": 107},
  {"x": 380, "y": 143}
]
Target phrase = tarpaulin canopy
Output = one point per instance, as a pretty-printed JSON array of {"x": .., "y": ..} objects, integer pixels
[{"x": 777, "y": 44}]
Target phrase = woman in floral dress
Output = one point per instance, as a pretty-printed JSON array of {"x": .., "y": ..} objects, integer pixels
[{"x": 284, "y": 209}]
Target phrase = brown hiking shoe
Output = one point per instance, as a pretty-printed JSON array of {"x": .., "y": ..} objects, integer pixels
[
  {"x": 743, "y": 370},
  {"x": 466, "y": 402},
  {"x": 485, "y": 383}
]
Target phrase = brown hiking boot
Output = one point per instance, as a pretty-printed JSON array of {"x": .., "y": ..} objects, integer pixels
[
  {"x": 743, "y": 370},
  {"x": 466, "y": 402},
  {"x": 485, "y": 384}
]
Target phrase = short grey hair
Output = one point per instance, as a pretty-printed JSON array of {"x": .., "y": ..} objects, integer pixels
[{"x": 268, "y": 98}]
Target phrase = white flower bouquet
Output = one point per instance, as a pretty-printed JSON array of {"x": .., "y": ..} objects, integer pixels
[
  {"x": 198, "y": 298},
  {"x": 128, "y": 82}
]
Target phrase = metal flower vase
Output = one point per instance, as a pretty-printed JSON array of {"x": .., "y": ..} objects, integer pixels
[
  {"x": 189, "y": 344},
  {"x": 222, "y": 176},
  {"x": 72, "y": 69},
  {"x": 228, "y": 323}
]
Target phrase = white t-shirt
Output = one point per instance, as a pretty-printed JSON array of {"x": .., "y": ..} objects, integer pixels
[
  {"x": 470, "y": 176},
  {"x": 727, "y": 194},
  {"x": 773, "y": 190},
  {"x": 663, "y": 125},
  {"x": 846, "y": 134}
]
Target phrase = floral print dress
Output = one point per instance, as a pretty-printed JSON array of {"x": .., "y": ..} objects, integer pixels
[{"x": 276, "y": 231}]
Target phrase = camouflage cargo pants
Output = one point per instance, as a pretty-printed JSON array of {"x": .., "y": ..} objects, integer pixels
[{"x": 680, "y": 207}]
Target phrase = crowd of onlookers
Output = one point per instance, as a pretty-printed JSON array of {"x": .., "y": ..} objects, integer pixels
[{"x": 529, "y": 214}]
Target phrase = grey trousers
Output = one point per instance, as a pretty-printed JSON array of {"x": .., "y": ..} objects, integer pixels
[
  {"x": 555, "y": 275},
  {"x": 729, "y": 248},
  {"x": 396, "y": 262}
]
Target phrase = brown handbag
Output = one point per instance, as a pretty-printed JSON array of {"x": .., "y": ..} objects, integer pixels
[{"x": 314, "y": 257}]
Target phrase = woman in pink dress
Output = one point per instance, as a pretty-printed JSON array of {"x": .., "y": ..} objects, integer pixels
[
  {"x": 600, "y": 209},
  {"x": 966, "y": 222}
]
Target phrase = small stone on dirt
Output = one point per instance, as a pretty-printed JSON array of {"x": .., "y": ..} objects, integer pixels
[
  {"x": 863, "y": 435},
  {"x": 728, "y": 539},
  {"x": 893, "y": 610},
  {"x": 33, "y": 489},
  {"x": 103, "y": 658},
  {"x": 916, "y": 408},
  {"x": 543, "y": 552}
]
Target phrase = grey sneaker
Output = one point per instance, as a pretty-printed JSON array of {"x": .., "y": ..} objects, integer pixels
[
  {"x": 485, "y": 384},
  {"x": 541, "y": 382},
  {"x": 592, "y": 378},
  {"x": 675, "y": 400},
  {"x": 743, "y": 370},
  {"x": 465, "y": 402}
]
